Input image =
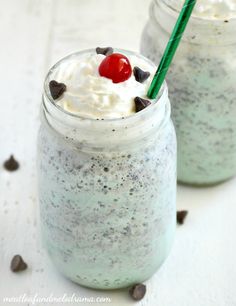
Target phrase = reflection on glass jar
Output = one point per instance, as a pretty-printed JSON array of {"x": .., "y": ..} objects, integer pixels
[
  {"x": 107, "y": 192},
  {"x": 202, "y": 86}
]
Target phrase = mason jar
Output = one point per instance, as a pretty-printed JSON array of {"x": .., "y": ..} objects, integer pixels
[
  {"x": 202, "y": 89},
  {"x": 107, "y": 191}
]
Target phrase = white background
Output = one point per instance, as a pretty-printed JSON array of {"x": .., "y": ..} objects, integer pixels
[{"x": 201, "y": 269}]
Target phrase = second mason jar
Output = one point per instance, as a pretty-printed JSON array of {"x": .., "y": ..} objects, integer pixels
[
  {"x": 202, "y": 88},
  {"x": 107, "y": 190}
]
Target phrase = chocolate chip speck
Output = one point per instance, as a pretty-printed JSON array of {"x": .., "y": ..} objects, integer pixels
[
  {"x": 140, "y": 75},
  {"x": 11, "y": 164},
  {"x": 137, "y": 292},
  {"x": 18, "y": 264},
  {"x": 106, "y": 169},
  {"x": 56, "y": 89},
  {"x": 140, "y": 104},
  {"x": 181, "y": 215},
  {"x": 105, "y": 51}
]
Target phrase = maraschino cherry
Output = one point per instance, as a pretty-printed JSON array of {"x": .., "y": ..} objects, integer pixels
[{"x": 115, "y": 67}]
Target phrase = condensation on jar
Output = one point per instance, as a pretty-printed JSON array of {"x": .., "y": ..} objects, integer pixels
[
  {"x": 202, "y": 90},
  {"x": 107, "y": 192}
]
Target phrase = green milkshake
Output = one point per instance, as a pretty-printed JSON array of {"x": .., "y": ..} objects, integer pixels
[
  {"x": 202, "y": 86},
  {"x": 107, "y": 169}
]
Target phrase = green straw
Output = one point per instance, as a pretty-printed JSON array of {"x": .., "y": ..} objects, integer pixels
[{"x": 171, "y": 48}]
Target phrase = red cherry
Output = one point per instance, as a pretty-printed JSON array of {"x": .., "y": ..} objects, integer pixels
[{"x": 115, "y": 67}]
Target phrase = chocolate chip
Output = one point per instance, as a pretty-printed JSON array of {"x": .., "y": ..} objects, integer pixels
[
  {"x": 140, "y": 104},
  {"x": 105, "y": 51},
  {"x": 18, "y": 264},
  {"x": 11, "y": 164},
  {"x": 56, "y": 89},
  {"x": 106, "y": 169},
  {"x": 137, "y": 292},
  {"x": 226, "y": 21},
  {"x": 181, "y": 215},
  {"x": 140, "y": 75}
]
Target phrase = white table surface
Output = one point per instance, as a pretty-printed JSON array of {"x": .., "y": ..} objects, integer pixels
[{"x": 201, "y": 270}]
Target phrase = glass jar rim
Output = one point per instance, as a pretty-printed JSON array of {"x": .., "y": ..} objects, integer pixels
[
  {"x": 163, "y": 91},
  {"x": 196, "y": 17}
]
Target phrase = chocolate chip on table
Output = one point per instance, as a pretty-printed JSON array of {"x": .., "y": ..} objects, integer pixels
[
  {"x": 137, "y": 292},
  {"x": 18, "y": 264},
  {"x": 56, "y": 89},
  {"x": 105, "y": 51},
  {"x": 140, "y": 75},
  {"x": 181, "y": 215},
  {"x": 11, "y": 164},
  {"x": 140, "y": 104}
]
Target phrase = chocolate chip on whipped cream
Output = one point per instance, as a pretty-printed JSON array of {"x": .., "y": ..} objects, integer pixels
[
  {"x": 105, "y": 51},
  {"x": 140, "y": 103},
  {"x": 140, "y": 75},
  {"x": 56, "y": 89}
]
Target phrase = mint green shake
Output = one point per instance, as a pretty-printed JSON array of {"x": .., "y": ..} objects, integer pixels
[
  {"x": 107, "y": 173},
  {"x": 202, "y": 86}
]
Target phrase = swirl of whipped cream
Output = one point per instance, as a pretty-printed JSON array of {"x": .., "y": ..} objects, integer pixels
[
  {"x": 92, "y": 96},
  {"x": 210, "y": 9}
]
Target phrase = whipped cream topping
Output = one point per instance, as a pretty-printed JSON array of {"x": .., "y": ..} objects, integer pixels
[
  {"x": 210, "y": 9},
  {"x": 92, "y": 96}
]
